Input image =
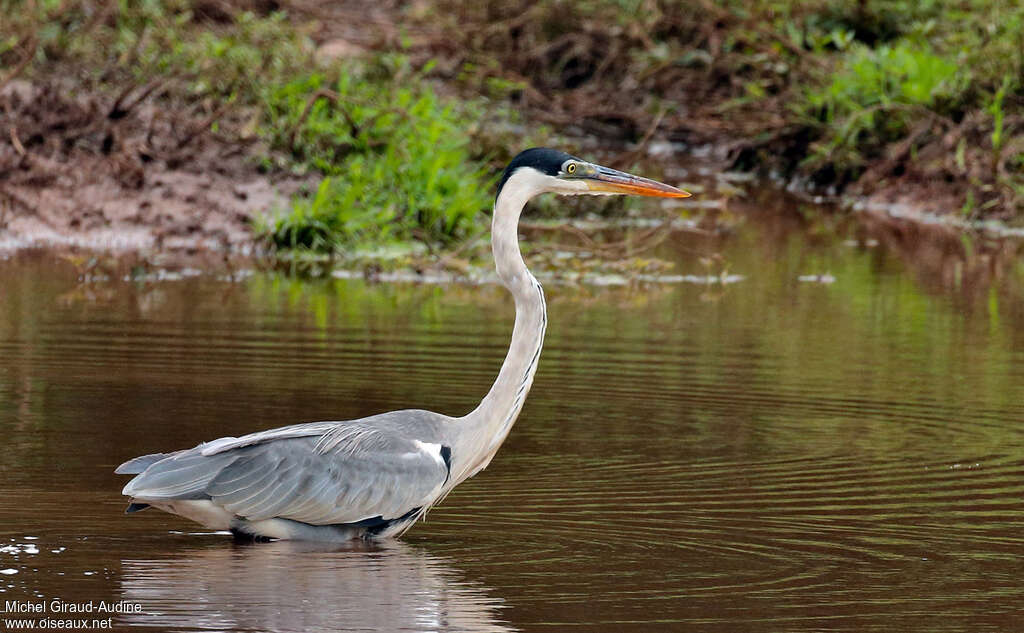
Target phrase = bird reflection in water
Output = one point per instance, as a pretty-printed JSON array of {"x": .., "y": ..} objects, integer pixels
[{"x": 300, "y": 586}]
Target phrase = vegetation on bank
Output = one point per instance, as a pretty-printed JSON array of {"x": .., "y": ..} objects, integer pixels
[
  {"x": 395, "y": 162},
  {"x": 843, "y": 95},
  {"x": 397, "y": 159}
]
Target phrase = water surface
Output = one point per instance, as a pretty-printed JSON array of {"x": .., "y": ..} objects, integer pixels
[{"x": 842, "y": 453}]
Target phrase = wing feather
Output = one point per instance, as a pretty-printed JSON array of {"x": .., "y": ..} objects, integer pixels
[
  {"x": 320, "y": 473},
  {"x": 309, "y": 429},
  {"x": 302, "y": 485},
  {"x": 276, "y": 501},
  {"x": 238, "y": 480}
]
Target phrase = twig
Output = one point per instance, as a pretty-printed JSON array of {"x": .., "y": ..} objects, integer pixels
[
  {"x": 101, "y": 14},
  {"x": 15, "y": 141},
  {"x": 1013, "y": 147},
  {"x": 118, "y": 111},
  {"x": 334, "y": 98},
  {"x": 505, "y": 26},
  {"x": 205, "y": 124},
  {"x": 30, "y": 42},
  {"x": 910, "y": 107},
  {"x": 467, "y": 245},
  {"x": 632, "y": 155},
  {"x": 629, "y": 247},
  {"x": 13, "y": 129},
  {"x": 531, "y": 92},
  {"x": 18, "y": 200}
]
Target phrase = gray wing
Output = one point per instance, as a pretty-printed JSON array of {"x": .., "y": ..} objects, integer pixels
[{"x": 351, "y": 472}]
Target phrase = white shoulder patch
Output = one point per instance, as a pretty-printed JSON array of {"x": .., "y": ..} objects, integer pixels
[{"x": 434, "y": 450}]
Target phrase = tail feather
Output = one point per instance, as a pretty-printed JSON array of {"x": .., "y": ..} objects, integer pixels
[
  {"x": 139, "y": 464},
  {"x": 135, "y": 507},
  {"x": 180, "y": 476}
]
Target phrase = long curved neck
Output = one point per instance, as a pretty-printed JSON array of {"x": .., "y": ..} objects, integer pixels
[{"x": 486, "y": 427}]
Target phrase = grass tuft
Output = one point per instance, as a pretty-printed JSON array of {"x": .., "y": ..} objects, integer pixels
[
  {"x": 873, "y": 99},
  {"x": 397, "y": 158}
]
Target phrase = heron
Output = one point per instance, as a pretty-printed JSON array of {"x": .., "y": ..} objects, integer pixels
[{"x": 374, "y": 477}]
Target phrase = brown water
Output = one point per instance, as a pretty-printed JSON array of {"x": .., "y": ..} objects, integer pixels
[{"x": 767, "y": 455}]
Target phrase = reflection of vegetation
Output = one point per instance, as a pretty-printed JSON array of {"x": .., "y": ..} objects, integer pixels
[{"x": 874, "y": 362}]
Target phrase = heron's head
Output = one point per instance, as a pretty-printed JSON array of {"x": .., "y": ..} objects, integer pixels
[{"x": 542, "y": 170}]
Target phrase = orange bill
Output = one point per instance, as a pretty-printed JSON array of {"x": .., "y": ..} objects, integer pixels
[{"x": 608, "y": 180}]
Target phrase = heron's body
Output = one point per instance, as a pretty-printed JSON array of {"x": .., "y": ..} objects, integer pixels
[
  {"x": 319, "y": 481},
  {"x": 375, "y": 476}
]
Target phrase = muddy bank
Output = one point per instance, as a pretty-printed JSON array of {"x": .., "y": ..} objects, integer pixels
[
  {"x": 118, "y": 172},
  {"x": 143, "y": 165}
]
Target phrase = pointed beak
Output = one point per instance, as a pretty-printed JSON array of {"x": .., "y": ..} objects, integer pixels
[{"x": 605, "y": 180}]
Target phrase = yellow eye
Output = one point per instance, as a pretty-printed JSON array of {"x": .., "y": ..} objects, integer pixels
[{"x": 571, "y": 168}]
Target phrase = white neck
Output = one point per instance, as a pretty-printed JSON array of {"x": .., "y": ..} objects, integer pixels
[{"x": 487, "y": 426}]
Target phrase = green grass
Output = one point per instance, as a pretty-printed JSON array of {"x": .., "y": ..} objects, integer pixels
[
  {"x": 873, "y": 98},
  {"x": 901, "y": 74},
  {"x": 152, "y": 40},
  {"x": 237, "y": 60},
  {"x": 398, "y": 159}
]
